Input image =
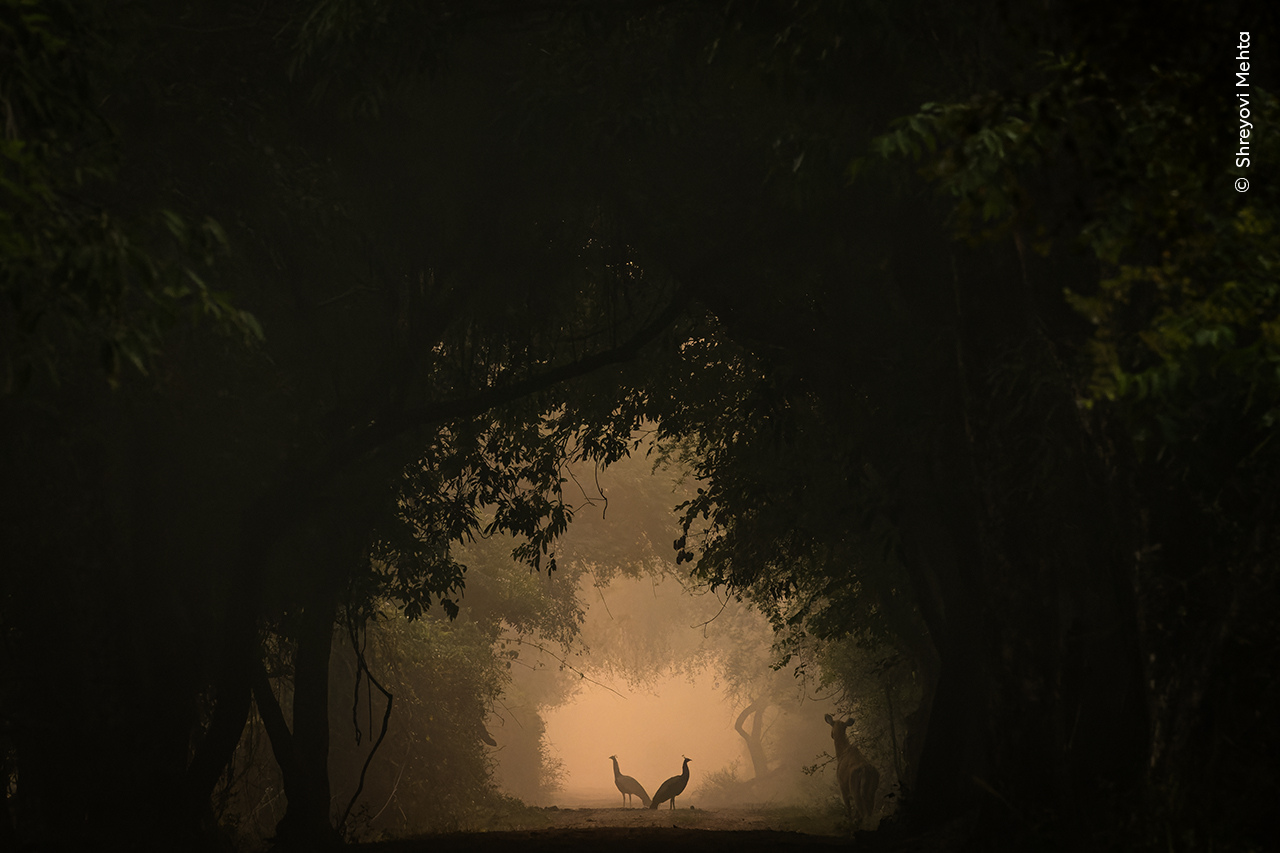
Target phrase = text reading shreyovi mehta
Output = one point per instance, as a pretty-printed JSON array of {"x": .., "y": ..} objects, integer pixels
[{"x": 1242, "y": 82}]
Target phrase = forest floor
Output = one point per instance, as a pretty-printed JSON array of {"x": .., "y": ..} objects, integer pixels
[{"x": 766, "y": 830}]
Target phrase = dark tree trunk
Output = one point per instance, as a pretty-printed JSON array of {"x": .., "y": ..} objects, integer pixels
[
  {"x": 219, "y": 743},
  {"x": 262, "y": 525},
  {"x": 8, "y": 832},
  {"x": 307, "y": 823},
  {"x": 273, "y": 721},
  {"x": 957, "y": 743},
  {"x": 234, "y": 688},
  {"x": 755, "y": 744}
]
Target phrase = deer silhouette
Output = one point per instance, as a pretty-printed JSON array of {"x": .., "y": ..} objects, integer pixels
[{"x": 857, "y": 777}]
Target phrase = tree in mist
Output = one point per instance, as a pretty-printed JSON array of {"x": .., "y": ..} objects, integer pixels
[
  {"x": 430, "y": 770},
  {"x": 527, "y": 766}
]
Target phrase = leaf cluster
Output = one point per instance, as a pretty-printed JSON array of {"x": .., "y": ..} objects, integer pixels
[{"x": 74, "y": 275}]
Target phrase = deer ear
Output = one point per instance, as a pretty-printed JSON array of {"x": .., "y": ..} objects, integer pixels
[{"x": 830, "y": 721}]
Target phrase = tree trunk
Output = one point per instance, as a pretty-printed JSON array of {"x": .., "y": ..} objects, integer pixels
[
  {"x": 307, "y": 823},
  {"x": 957, "y": 745},
  {"x": 8, "y": 832},
  {"x": 234, "y": 689},
  {"x": 273, "y": 721},
  {"x": 214, "y": 753},
  {"x": 755, "y": 745}
]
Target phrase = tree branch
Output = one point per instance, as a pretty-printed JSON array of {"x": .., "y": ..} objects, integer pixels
[
  {"x": 380, "y": 433},
  {"x": 273, "y": 719},
  {"x": 564, "y": 663},
  {"x": 272, "y": 514}
]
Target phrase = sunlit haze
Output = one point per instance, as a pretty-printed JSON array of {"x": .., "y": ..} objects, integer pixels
[{"x": 649, "y": 731}]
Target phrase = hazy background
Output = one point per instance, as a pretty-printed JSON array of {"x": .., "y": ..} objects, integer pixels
[
  {"x": 661, "y": 669},
  {"x": 648, "y": 729}
]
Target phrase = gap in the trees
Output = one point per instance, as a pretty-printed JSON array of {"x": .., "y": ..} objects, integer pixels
[{"x": 661, "y": 668}]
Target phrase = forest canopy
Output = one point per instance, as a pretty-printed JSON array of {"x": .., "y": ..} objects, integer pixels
[{"x": 956, "y": 320}]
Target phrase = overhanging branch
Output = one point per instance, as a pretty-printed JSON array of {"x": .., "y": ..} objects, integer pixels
[
  {"x": 381, "y": 432},
  {"x": 283, "y": 504}
]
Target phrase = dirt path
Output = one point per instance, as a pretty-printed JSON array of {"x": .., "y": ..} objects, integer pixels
[
  {"x": 682, "y": 831},
  {"x": 613, "y": 839},
  {"x": 682, "y": 818}
]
